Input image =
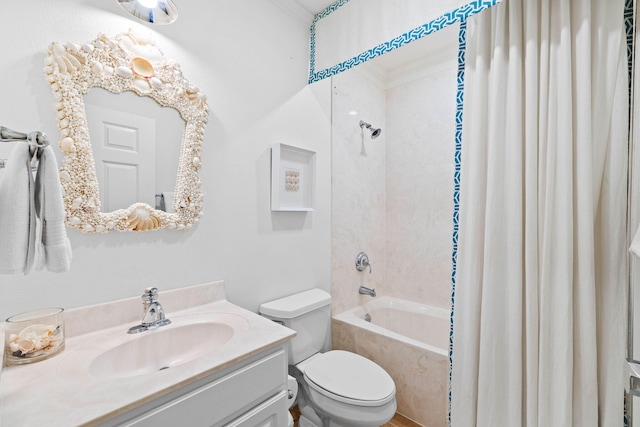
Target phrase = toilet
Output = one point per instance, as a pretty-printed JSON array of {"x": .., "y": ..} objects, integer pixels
[{"x": 336, "y": 388}]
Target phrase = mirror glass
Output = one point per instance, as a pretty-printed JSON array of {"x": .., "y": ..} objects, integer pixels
[
  {"x": 134, "y": 140},
  {"x": 131, "y": 130}
]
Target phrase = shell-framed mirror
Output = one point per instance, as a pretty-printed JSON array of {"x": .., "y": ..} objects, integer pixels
[{"x": 128, "y": 62}]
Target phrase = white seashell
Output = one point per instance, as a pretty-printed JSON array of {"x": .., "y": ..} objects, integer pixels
[
  {"x": 88, "y": 228},
  {"x": 143, "y": 38},
  {"x": 101, "y": 228},
  {"x": 91, "y": 204},
  {"x": 96, "y": 67},
  {"x": 66, "y": 145},
  {"x": 110, "y": 225},
  {"x": 87, "y": 47},
  {"x": 26, "y": 345},
  {"x": 75, "y": 64},
  {"x": 125, "y": 72},
  {"x": 171, "y": 226},
  {"x": 77, "y": 202},
  {"x": 142, "y": 213},
  {"x": 74, "y": 220},
  {"x": 142, "y": 85},
  {"x": 180, "y": 227},
  {"x": 62, "y": 66},
  {"x": 72, "y": 47},
  {"x": 112, "y": 44},
  {"x": 65, "y": 176},
  {"x": 156, "y": 82},
  {"x": 64, "y": 123},
  {"x": 48, "y": 61},
  {"x": 196, "y": 162},
  {"x": 58, "y": 49},
  {"x": 141, "y": 67},
  {"x": 108, "y": 70}
]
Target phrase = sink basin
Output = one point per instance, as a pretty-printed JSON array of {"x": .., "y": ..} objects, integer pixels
[{"x": 161, "y": 349}]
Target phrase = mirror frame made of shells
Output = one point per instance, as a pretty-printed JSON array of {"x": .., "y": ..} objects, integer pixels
[{"x": 126, "y": 62}]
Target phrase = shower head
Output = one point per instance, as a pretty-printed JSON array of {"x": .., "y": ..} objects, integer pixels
[{"x": 375, "y": 132}]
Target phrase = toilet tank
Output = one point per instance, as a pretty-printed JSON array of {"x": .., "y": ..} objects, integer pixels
[{"x": 309, "y": 314}]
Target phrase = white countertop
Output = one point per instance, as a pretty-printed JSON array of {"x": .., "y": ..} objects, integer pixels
[{"x": 61, "y": 391}]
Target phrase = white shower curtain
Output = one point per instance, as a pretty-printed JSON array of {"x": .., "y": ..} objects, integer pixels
[{"x": 540, "y": 298}]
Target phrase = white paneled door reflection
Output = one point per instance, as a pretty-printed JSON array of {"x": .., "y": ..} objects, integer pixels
[{"x": 124, "y": 153}]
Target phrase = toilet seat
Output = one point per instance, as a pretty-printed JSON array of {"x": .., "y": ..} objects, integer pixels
[{"x": 349, "y": 378}]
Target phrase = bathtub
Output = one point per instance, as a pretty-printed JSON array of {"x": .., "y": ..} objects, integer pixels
[{"x": 410, "y": 341}]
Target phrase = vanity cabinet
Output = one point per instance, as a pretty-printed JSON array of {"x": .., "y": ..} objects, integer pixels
[{"x": 248, "y": 394}]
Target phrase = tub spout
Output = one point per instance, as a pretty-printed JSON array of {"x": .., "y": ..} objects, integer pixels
[{"x": 367, "y": 291}]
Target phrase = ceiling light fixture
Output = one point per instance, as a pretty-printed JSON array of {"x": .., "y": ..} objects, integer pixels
[{"x": 152, "y": 11}]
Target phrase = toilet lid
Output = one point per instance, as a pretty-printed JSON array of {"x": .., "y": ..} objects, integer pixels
[{"x": 350, "y": 376}]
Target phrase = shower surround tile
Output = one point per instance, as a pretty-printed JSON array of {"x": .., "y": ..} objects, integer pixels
[
  {"x": 358, "y": 189},
  {"x": 420, "y": 121},
  {"x": 421, "y": 378}
]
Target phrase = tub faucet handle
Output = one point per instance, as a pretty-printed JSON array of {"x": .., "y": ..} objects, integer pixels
[{"x": 362, "y": 262}]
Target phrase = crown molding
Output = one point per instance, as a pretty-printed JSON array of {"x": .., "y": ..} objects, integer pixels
[{"x": 295, "y": 10}]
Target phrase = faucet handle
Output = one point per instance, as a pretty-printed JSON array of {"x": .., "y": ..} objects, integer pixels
[
  {"x": 150, "y": 294},
  {"x": 362, "y": 262}
]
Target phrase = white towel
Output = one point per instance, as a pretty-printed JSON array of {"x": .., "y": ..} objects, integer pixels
[
  {"x": 53, "y": 246},
  {"x": 635, "y": 244},
  {"x": 17, "y": 213}
]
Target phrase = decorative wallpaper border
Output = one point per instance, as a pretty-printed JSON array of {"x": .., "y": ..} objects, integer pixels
[
  {"x": 459, "y": 14},
  {"x": 462, "y": 47},
  {"x": 629, "y": 25}
]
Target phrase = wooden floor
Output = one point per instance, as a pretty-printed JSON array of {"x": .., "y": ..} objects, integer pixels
[
  {"x": 397, "y": 420},
  {"x": 400, "y": 421}
]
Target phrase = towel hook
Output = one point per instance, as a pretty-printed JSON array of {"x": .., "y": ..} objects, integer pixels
[{"x": 35, "y": 139}]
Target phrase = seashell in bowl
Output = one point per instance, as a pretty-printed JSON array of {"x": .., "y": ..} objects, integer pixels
[{"x": 34, "y": 340}]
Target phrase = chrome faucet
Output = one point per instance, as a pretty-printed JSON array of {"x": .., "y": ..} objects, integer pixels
[
  {"x": 152, "y": 312},
  {"x": 367, "y": 291},
  {"x": 362, "y": 262}
]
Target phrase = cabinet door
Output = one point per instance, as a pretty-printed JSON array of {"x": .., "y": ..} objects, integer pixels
[
  {"x": 223, "y": 399},
  {"x": 272, "y": 413}
]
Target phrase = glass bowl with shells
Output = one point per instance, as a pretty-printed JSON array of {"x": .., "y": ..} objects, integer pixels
[{"x": 33, "y": 336}]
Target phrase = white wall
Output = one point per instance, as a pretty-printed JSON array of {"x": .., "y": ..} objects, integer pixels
[{"x": 251, "y": 59}]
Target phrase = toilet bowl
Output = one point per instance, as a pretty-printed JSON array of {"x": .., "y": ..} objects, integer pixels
[
  {"x": 347, "y": 389},
  {"x": 336, "y": 388}
]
